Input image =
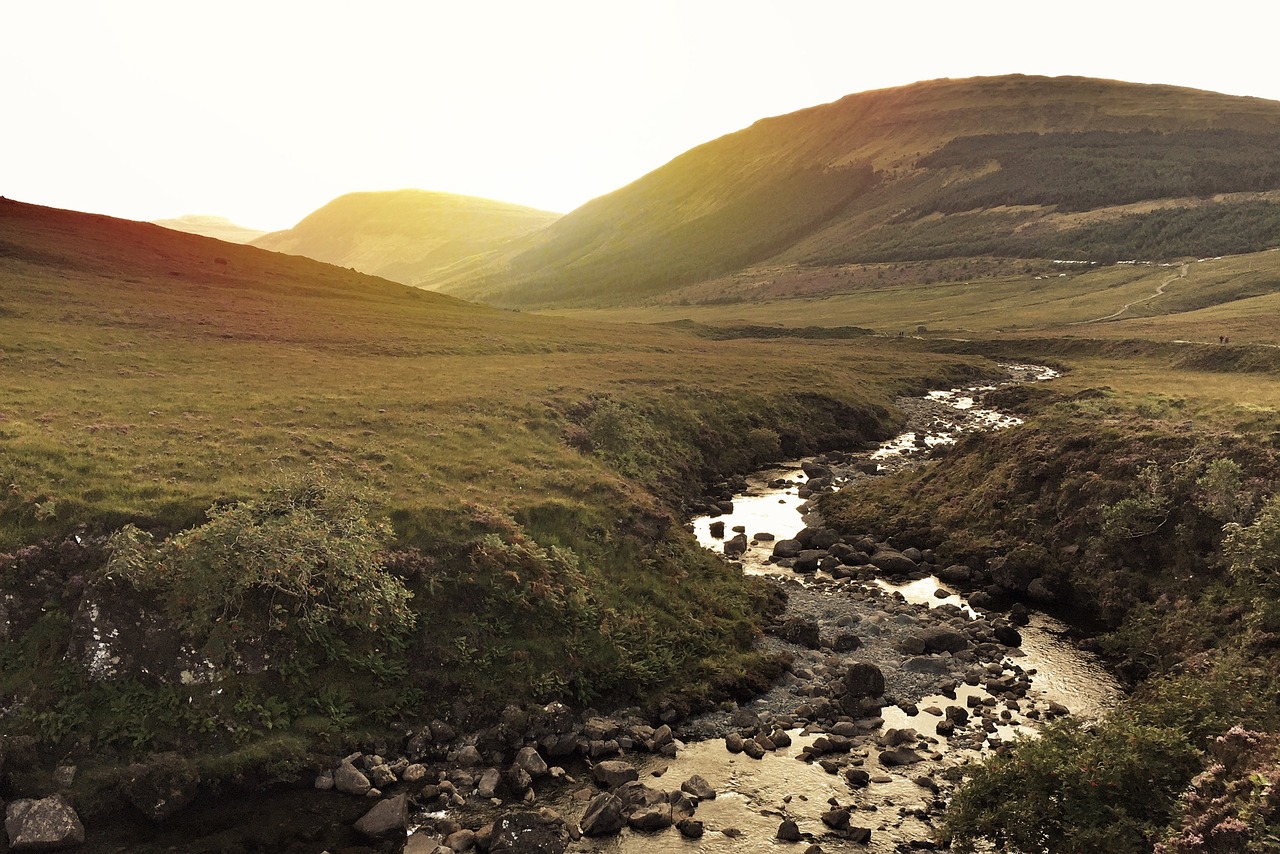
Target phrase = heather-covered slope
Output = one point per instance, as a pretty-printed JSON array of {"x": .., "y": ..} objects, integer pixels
[{"x": 1024, "y": 167}]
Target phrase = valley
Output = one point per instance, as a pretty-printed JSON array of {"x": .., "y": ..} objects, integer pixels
[{"x": 273, "y": 526}]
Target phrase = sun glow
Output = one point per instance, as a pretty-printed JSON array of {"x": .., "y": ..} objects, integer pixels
[{"x": 263, "y": 112}]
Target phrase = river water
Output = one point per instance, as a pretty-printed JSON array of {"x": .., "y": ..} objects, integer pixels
[{"x": 755, "y": 795}]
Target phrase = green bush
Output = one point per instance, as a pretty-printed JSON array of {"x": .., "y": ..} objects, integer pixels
[
  {"x": 1075, "y": 790},
  {"x": 299, "y": 564}
]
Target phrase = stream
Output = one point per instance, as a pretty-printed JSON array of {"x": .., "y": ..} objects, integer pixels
[
  {"x": 901, "y": 805},
  {"x": 755, "y": 795}
]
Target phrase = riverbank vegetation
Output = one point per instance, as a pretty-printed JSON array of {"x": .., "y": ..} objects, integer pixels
[
  {"x": 1144, "y": 512},
  {"x": 256, "y": 506}
]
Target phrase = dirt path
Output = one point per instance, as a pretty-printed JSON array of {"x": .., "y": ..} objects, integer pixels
[{"x": 1181, "y": 274}]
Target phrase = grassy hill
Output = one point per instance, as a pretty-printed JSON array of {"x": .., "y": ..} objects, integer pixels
[
  {"x": 151, "y": 375},
  {"x": 212, "y": 226},
  {"x": 404, "y": 235},
  {"x": 984, "y": 169}
]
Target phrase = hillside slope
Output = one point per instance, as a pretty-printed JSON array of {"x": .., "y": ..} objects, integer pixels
[
  {"x": 404, "y": 235},
  {"x": 217, "y": 227},
  {"x": 1023, "y": 167}
]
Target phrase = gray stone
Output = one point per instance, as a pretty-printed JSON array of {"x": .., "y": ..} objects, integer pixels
[
  {"x": 489, "y": 782},
  {"x": 690, "y": 828},
  {"x": 863, "y": 679},
  {"x": 42, "y": 825},
  {"x": 381, "y": 776},
  {"x": 604, "y": 816},
  {"x": 893, "y": 562},
  {"x": 789, "y": 831},
  {"x": 614, "y": 772},
  {"x": 388, "y": 819},
  {"x": 528, "y": 759},
  {"x": 350, "y": 780},
  {"x": 787, "y": 548},
  {"x": 941, "y": 639},
  {"x": 461, "y": 840},
  {"x": 699, "y": 788},
  {"x": 736, "y": 545},
  {"x": 899, "y": 756},
  {"x": 651, "y": 817}
]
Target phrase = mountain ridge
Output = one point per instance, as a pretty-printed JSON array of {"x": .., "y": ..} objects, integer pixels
[
  {"x": 404, "y": 235},
  {"x": 851, "y": 182}
]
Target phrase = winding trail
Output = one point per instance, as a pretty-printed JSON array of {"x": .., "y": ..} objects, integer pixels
[{"x": 1159, "y": 292}]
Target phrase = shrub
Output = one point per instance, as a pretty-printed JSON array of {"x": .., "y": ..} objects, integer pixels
[
  {"x": 300, "y": 563},
  {"x": 1075, "y": 790}
]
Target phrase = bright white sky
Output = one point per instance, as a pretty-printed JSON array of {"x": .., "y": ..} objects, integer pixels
[{"x": 262, "y": 111}]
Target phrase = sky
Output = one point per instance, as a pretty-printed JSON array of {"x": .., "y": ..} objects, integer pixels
[{"x": 263, "y": 111}]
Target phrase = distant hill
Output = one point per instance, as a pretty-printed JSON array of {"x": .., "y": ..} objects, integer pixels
[
  {"x": 984, "y": 168},
  {"x": 212, "y": 226},
  {"x": 404, "y": 235}
]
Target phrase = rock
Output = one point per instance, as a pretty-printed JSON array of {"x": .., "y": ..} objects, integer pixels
[
  {"x": 529, "y": 833},
  {"x": 717, "y": 529},
  {"x": 162, "y": 786},
  {"x": 735, "y": 546},
  {"x": 753, "y": 748},
  {"x": 350, "y": 780},
  {"x": 651, "y": 817},
  {"x": 414, "y": 773},
  {"x": 381, "y": 776},
  {"x": 846, "y": 642},
  {"x": 927, "y": 664},
  {"x": 787, "y": 548},
  {"x": 957, "y": 573},
  {"x": 519, "y": 780},
  {"x": 461, "y": 840},
  {"x": 489, "y": 782},
  {"x": 387, "y": 819},
  {"x": 893, "y": 562},
  {"x": 662, "y": 736},
  {"x": 913, "y": 554},
  {"x": 699, "y": 788},
  {"x": 1042, "y": 592},
  {"x": 690, "y": 828},
  {"x": 863, "y": 679},
  {"x": 789, "y": 831},
  {"x": 809, "y": 561},
  {"x": 857, "y": 778},
  {"x": 899, "y": 756},
  {"x": 46, "y": 824},
  {"x": 614, "y": 772},
  {"x": 801, "y": 632},
  {"x": 942, "y": 639},
  {"x": 859, "y": 835},
  {"x": 604, "y": 816},
  {"x": 324, "y": 781},
  {"x": 836, "y": 819},
  {"x": 1006, "y": 634},
  {"x": 469, "y": 757},
  {"x": 734, "y": 742},
  {"x": 528, "y": 759},
  {"x": 911, "y": 645}
]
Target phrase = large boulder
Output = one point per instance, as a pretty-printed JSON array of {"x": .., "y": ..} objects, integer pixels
[
  {"x": 809, "y": 561},
  {"x": 387, "y": 820},
  {"x": 651, "y": 817},
  {"x": 893, "y": 562},
  {"x": 787, "y": 548},
  {"x": 605, "y": 816},
  {"x": 863, "y": 679},
  {"x": 614, "y": 772},
  {"x": 47, "y": 824},
  {"x": 736, "y": 546},
  {"x": 533, "y": 764},
  {"x": 351, "y": 780},
  {"x": 942, "y": 639},
  {"x": 162, "y": 786},
  {"x": 699, "y": 788},
  {"x": 801, "y": 632}
]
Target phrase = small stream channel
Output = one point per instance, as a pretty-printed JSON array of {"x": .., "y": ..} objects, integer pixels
[{"x": 754, "y": 796}]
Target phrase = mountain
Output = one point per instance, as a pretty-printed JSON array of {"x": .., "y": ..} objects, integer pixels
[
  {"x": 404, "y": 235},
  {"x": 982, "y": 168},
  {"x": 212, "y": 226}
]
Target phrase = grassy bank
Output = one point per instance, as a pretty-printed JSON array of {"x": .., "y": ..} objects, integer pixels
[
  {"x": 1142, "y": 497},
  {"x": 520, "y": 480}
]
